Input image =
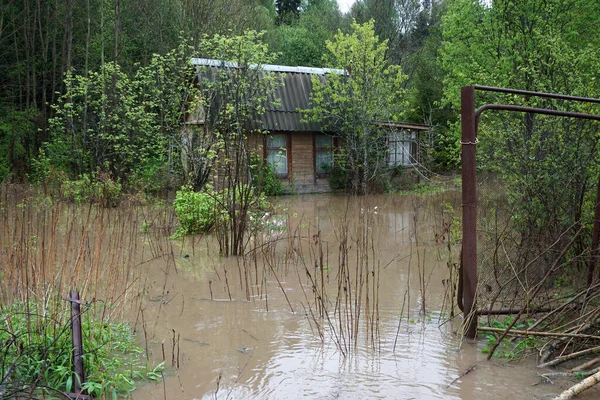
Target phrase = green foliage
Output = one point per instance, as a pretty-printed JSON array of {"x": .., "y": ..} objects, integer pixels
[
  {"x": 352, "y": 103},
  {"x": 287, "y": 10},
  {"x": 196, "y": 211},
  {"x": 36, "y": 352},
  {"x": 548, "y": 165},
  {"x": 17, "y": 133},
  {"x": 339, "y": 178},
  {"x": 95, "y": 188},
  {"x": 304, "y": 41},
  {"x": 528, "y": 44},
  {"x": 201, "y": 212},
  {"x": 120, "y": 123},
  {"x": 425, "y": 189},
  {"x": 150, "y": 177},
  {"x": 512, "y": 350},
  {"x": 264, "y": 178}
]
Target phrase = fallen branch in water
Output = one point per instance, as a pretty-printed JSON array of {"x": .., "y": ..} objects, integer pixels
[
  {"x": 581, "y": 374},
  {"x": 560, "y": 360},
  {"x": 471, "y": 368},
  {"x": 536, "y": 333},
  {"x": 586, "y": 365},
  {"x": 580, "y": 387}
]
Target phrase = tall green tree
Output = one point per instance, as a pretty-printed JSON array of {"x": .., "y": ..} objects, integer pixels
[
  {"x": 356, "y": 102},
  {"x": 287, "y": 10},
  {"x": 302, "y": 43}
]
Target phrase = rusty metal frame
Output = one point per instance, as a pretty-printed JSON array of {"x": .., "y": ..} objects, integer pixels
[{"x": 469, "y": 123}]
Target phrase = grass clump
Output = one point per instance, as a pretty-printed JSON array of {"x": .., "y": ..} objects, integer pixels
[{"x": 36, "y": 354}]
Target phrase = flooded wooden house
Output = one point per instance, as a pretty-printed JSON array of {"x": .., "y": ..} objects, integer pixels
[{"x": 302, "y": 152}]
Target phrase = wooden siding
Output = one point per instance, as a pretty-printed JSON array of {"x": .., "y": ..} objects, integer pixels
[
  {"x": 303, "y": 165},
  {"x": 302, "y": 178}
]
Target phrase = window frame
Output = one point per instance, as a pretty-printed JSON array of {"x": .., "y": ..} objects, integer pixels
[
  {"x": 287, "y": 148},
  {"x": 403, "y": 136},
  {"x": 317, "y": 149}
]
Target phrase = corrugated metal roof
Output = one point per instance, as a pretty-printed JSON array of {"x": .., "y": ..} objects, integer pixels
[
  {"x": 290, "y": 96},
  {"x": 208, "y": 62}
]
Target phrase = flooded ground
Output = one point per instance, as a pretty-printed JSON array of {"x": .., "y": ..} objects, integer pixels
[
  {"x": 337, "y": 298},
  {"x": 262, "y": 340}
]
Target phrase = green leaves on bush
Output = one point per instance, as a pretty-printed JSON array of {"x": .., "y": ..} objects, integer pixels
[
  {"x": 196, "y": 211},
  {"x": 36, "y": 353},
  {"x": 200, "y": 212},
  {"x": 264, "y": 178},
  {"x": 99, "y": 188}
]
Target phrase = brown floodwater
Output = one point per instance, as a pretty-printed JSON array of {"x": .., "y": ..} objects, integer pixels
[
  {"x": 249, "y": 328},
  {"x": 278, "y": 322}
]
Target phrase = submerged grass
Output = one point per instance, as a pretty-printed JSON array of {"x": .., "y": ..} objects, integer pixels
[{"x": 49, "y": 247}]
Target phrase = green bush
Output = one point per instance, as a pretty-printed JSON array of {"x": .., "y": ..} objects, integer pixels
[
  {"x": 100, "y": 189},
  {"x": 36, "y": 353},
  {"x": 150, "y": 177},
  {"x": 196, "y": 211},
  {"x": 199, "y": 212},
  {"x": 264, "y": 178}
]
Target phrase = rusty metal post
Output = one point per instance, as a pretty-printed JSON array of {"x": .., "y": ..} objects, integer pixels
[
  {"x": 469, "y": 209},
  {"x": 595, "y": 237},
  {"x": 78, "y": 369}
]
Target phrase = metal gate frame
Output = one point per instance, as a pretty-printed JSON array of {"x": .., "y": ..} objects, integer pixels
[{"x": 469, "y": 122}]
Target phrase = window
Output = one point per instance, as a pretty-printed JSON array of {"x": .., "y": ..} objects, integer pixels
[
  {"x": 403, "y": 149},
  {"x": 277, "y": 153},
  {"x": 323, "y": 154}
]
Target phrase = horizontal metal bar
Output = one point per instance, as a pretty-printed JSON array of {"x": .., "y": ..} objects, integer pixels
[
  {"x": 537, "y": 94},
  {"x": 558, "y": 113}
]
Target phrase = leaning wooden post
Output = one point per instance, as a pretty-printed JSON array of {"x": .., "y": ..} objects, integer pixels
[
  {"x": 469, "y": 210},
  {"x": 78, "y": 369}
]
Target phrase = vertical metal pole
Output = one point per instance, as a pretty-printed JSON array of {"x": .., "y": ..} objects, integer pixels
[
  {"x": 595, "y": 237},
  {"x": 469, "y": 206},
  {"x": 79, "y": 377}
]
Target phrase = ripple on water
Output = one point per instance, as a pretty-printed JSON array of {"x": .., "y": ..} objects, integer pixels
[{"x": 302, "y": 367}]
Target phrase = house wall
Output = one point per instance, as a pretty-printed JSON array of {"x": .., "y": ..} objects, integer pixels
[
  {"x": 301, "y": 177},
  {"x": 303, "y": 165}
]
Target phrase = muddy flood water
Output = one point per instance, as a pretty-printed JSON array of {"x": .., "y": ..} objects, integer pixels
[
  {"x": 251, "y": 330},
  {"x": 336, "y": 298}
]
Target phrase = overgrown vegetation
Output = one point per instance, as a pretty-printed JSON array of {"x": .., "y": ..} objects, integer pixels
[
  {"x": 50, "y": 246},
  {"x": 513, "y": 350},
  {"x": 36, "y": 353}
]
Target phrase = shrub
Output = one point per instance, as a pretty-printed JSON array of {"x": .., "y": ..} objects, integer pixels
[
  {"x": 264, "y": 178},
  {"x": 36, "y": 353},
  {"x": 150, "y": 177},
  {"x": 100, "y": 189},
  {"x": 196, "y": 211},
  {"x": 199, "y": 212}
]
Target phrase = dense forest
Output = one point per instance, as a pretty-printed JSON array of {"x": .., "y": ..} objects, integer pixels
[{"x": 125, "y": 59}]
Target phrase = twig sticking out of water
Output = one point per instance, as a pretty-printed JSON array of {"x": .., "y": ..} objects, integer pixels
[{"x": 471, "y": 368}]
